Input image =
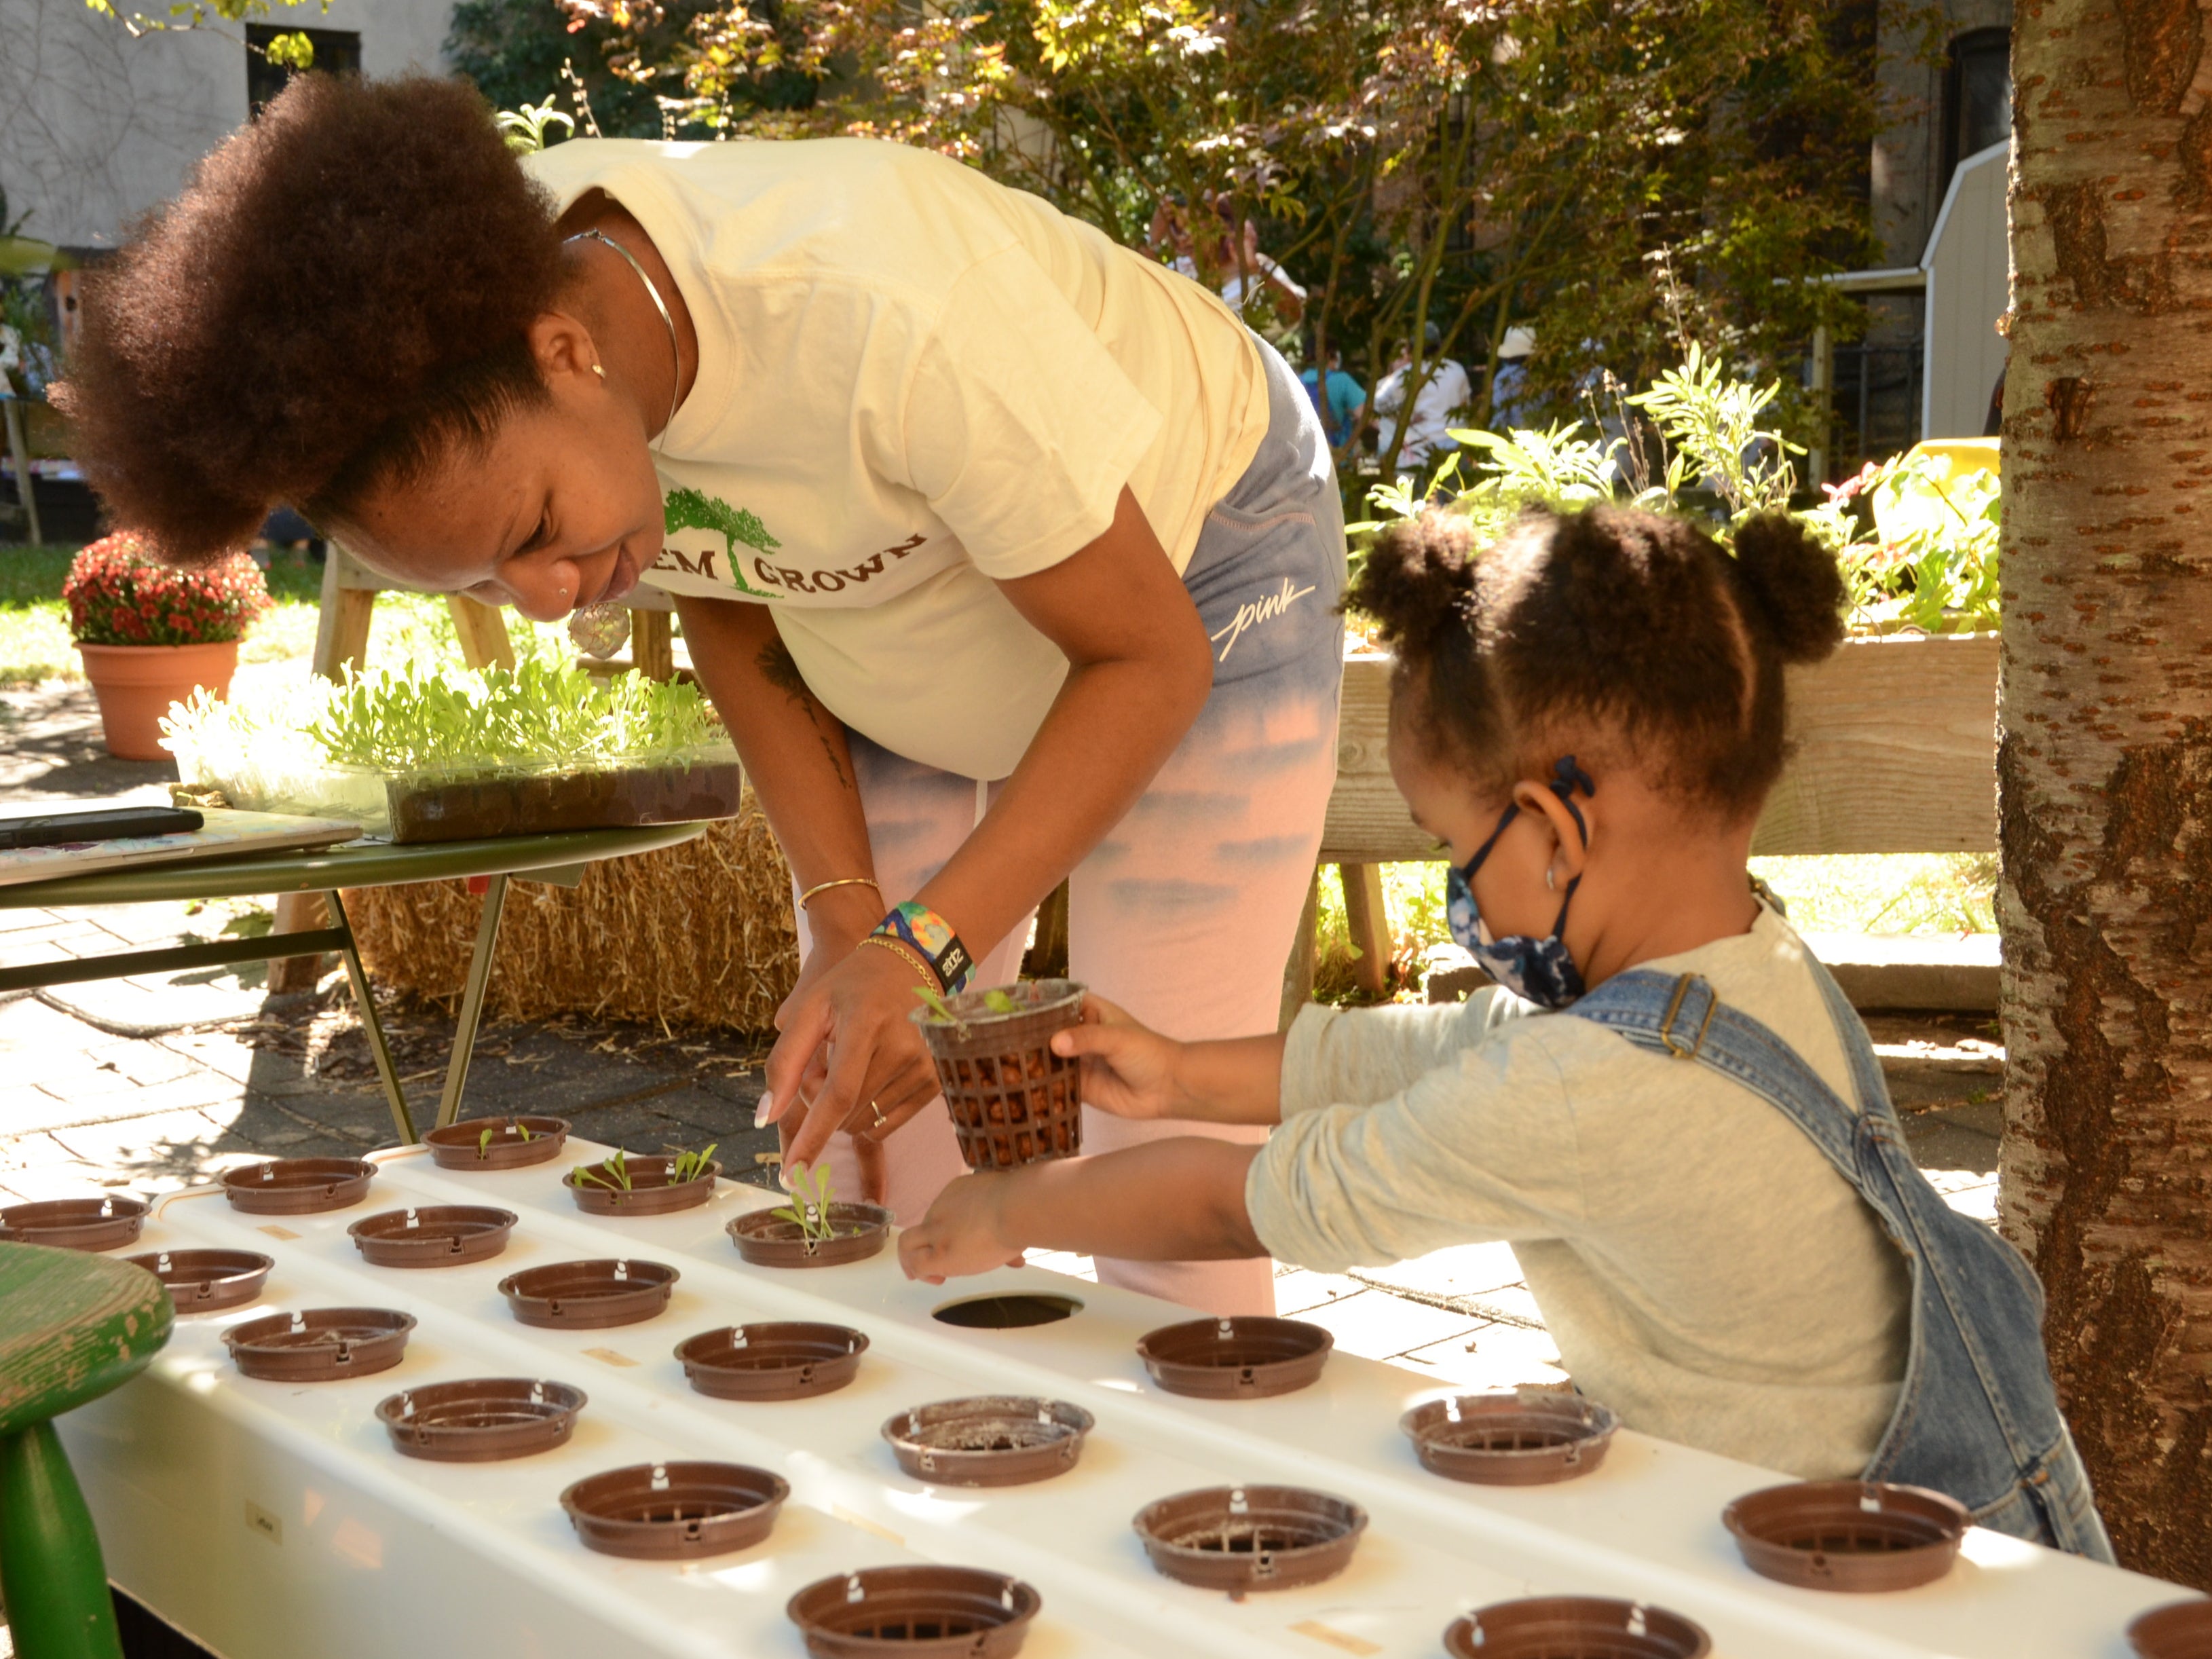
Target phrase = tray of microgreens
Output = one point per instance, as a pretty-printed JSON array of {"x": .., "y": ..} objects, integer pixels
[{"x": 440, "y": 753}]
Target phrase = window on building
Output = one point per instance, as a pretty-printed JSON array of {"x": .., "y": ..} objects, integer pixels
[
  {"x": 1977, "y": 95},
  {"x": 337, "y": 52}
]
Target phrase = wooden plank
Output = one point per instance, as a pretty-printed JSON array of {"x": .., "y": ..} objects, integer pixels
[
  {"x": 482, "y": 631},
  {"x": 342, "y": 623},
  {"x": 653, "y": 643},
  {"x": 1895, "y": 752},
  {"x": 1299, "y": 971},
  {"x": 297, "y": 913},
  {"x": 1367, "y": 920}
]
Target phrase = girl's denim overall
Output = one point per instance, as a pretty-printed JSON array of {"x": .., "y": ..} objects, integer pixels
[{"x": 1977, "y": 1416}]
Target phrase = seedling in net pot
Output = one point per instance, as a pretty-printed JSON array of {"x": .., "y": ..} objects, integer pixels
[
  {"x": 684, "y": 1166},
  {"x": 613, "y": 1174},
  {"x": 996, "y": 1002},
  {"x": 809, "y": 1205}
]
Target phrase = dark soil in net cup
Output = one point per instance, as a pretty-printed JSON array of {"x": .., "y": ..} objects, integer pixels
[
  {"x": 1859, "y": 1535},
  {"x": 651, "y": 1190},
  {"x": 298, "y": 1185},
  {"x": 1012, "y": 1100},
  {"x": 472, "y": 808},
  {"x": 207, "y": 1281},
  {"x": 2180, "y": 1629},
  {"x": 586, "y": 1296},
  {"x": 991, "y": 1440},
  {"x": 675, "y": 1511},
  {"x": 433, "y": 1235},
  {"x": 915, "y": 1612},
  {"x": 1244, "y": 1358},
  {"x": 514, "y": 1143},
  {"x": 1528, "y": 1439},
  {"x": 481, "y": 1420},
  {"x": 785, "y": 1359},
  {"x": 92, "y": 1224},
  {"x": 320, "y": 1344},
  {"x": 1575, "y": 1627},
  {"x": 1238, "y": 1538},
  {"x": 768, "y": 1240}
]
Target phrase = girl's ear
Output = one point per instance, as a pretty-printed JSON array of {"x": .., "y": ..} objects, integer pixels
[
  {"x": 562, "y": 346},
  {"x": 1569, "y": 854}
]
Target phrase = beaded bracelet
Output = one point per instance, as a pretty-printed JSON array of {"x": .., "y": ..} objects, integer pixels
[{"x": 922, "y": 930}]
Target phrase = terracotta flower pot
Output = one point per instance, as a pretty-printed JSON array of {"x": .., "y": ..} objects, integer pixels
[{"x": 136, "y": 685}]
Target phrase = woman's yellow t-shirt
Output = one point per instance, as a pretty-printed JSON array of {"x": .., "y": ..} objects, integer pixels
[{"x": 912, "y": 381}]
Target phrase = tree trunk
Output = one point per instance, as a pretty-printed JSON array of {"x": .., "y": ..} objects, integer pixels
[{"x": 2104, "y": 759}]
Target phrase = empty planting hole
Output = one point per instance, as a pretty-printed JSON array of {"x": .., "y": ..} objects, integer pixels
[{"x": 1007, "y": 1311}]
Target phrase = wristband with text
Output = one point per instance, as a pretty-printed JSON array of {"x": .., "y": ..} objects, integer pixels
[{"x": 931, "y": 936}]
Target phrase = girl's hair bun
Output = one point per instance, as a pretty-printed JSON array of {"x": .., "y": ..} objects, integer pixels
[
  {"x": 1415, "y": 580},
  {"x": 1796, "y": 591}
]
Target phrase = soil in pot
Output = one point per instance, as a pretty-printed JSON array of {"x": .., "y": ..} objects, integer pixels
[
  {"x": 1238, "y": 1538},
  {"x": 675, "y": 1511},
  {"x": 433, "y": 1235},
  {"x": 623, "y": 1185},
  {"x": 485, "y": 1144},
  {"x": 429, "y": 808},
  {"x": 1012, "y": 1100},
  {"x": 1510, "y": 1439},
  {"x": 1860, "y": 1535},
  {"x": 584, "y": 1295},
  {"x": 320, "y": 1344},
  {"x": 75, "y": 1223},
  {"x": 770, "y": 1240},
  {"x": 1245, "y": 1357},
  {"x": 298, "y": 1185},
  {"x": 481, "y": 1420},
  {"x": 915, "y": 1612},
  {"x": 2180, "y": 1629},
  {"x": 1585, "y": 1626},
  {"x": 785, "y": 1359},
  {"x": 990, "y": 1440},
  {"x": 207, "y": 1281}
]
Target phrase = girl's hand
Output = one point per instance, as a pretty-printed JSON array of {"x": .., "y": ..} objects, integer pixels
[
  {"x": 1127, "y": 1069},
  {"x": 963, "y": 1233}
]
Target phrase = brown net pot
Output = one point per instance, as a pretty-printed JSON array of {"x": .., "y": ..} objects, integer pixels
[
  {"x": 584, "y": 1295},
  {"x": 786, "y": 1359},
  {"x": 991, "y": 1440},
  {"x": 207, "y": 1281},
  {"x": 515, "y": 1143},
  {"x": 768, "y": 1240},
  {"x": 320, "y": 1344},
  {"x": 1858, "y": 1535},
  {"x": 1575, "y": 1627},
  {"x": 650, "y": 1191},
  {"x": 1012, "y": 1100},
  {"x": 675, "y": 1511},
  {"x": 1528, "y": 1439},
  {"x": 75, "y": 1223},
  {"x": 481, "y": 1420},
  {"x": 915, "y": 1612},
  {"x": 1250, "y": 1537},
  {"x": 433, "y": 1235},
  {"x": 298, "y": 1185},
  {"x": 1246, "y": 1358},
  {"x": 2180, "y": 1629}
]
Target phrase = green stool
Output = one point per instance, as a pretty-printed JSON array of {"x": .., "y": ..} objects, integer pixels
[{"x": 72, "y": 1326}]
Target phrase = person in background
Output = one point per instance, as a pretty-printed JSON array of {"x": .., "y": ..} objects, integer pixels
[
  {"x": 1508, "y": 386},
  {"x": 1252, "y": 285},
  {"x": 1339, "y": 398},
  {"x": 1441, "y": 398}
]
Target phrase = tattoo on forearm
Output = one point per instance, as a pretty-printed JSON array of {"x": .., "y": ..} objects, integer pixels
[{"x": 780, "y": 671}]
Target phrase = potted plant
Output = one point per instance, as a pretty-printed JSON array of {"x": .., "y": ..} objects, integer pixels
[
  {"x": 1012, "y": 1100},
  {"x": 151, "y": 633}
]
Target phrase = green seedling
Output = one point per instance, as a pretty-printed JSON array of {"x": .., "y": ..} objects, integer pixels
[
  {"x": 484, "y": 1144},
  {"x": 941, "y": 1011},
  {"x": 613, "y": 1174},
  {"x": 684, "y": 1166},
  {"x": 809, "y": 1205},
  {"x": 999, "y": 1003},
  {"x": 522, "y": 1129}
]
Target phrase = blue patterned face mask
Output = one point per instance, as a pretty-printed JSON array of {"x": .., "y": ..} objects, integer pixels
[{"x": 1541, "y": 969}]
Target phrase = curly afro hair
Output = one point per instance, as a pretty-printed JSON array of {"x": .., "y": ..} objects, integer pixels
[
  {"x": 344, "y": 289},
  {"x": 1641, "y": 627}
]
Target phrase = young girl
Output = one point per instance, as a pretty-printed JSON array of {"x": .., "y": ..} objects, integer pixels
[{"x": 1667, "y": 1106}]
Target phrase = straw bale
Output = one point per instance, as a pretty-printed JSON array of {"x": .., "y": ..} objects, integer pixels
[{"x": 700, "y": 934}]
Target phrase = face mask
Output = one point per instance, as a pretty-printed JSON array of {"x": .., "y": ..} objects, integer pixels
[{"x": 1541, "y": 969}]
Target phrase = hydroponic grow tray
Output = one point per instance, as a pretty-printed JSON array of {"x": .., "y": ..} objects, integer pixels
[{"x": 249, "y": 1512}]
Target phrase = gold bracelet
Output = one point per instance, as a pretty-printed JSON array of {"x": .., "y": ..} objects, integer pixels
[
  {"x": 841, "y": 881},
  {"x": 912, "y": 958}
]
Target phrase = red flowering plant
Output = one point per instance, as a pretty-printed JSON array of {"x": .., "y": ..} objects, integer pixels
[{"x": 119, "y": 594}]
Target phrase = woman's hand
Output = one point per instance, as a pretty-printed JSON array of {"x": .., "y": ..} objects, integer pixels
[
  {"x": 1127, "y": 1069},
  {"x": 963, "y": 1233}
]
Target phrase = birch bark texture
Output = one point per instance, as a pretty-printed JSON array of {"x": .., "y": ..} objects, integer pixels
[{"x": 2105, "y": 745}]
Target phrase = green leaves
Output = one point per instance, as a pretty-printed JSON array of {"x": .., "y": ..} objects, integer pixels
[
  {"x": 613, "y": 1174},
  {"x": 941, "y": 1011},
  {"x": 684, "y": 1166},
  {"x": 525, "y": 127},
  {"x": 809, "y": 1209}
]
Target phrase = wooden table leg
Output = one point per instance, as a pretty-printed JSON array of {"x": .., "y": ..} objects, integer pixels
[
  {"x": 1299, "y": 971},
  {"x": 1367, "y": 920},
  {"x": 297, "y": 913},
  {"x": 472, "y": 998},
  {"x": 652, "y": 644},
  {"x": 482, "y": 633},
  {"x": 357, "y": 976},
  {"x": 51, "y": 1573}
]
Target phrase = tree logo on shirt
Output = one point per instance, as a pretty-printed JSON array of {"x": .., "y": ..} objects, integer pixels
[{"x": 694, "y": 509}]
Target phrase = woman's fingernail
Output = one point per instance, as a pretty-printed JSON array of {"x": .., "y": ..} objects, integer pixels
[
  {"x": 787, "y": 1173},
  {"x": 764, "y": 1114}
]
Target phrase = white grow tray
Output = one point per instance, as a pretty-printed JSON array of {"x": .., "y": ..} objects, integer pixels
[{"x": 271, "y": 1521}]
